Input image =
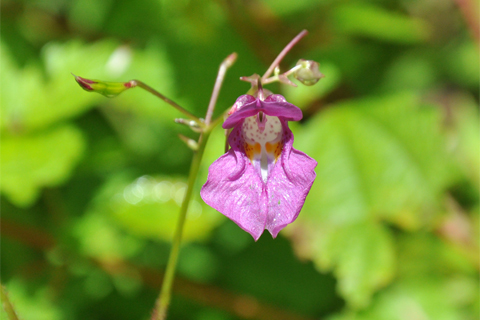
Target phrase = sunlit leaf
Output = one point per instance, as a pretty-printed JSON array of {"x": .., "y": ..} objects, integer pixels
[
  {"x": 362, "y": 256},
  {"x": 421, "y": 298},
  {"x": 382, "y": 158},
  {"x": 464, "y": 137},
  {"x": 100, "y": 239},
  {"x": 149, "y": 207},
  {"x": 34, "y": 306},
  {"x": 423, "y": 253},
  {"x": 378, "y": 159},
  {"x": 31, "y": 100},
  {"x": 44, "y": 159}
]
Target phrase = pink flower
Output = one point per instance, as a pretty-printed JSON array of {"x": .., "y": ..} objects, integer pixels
[{"x": 262, "y": 181}]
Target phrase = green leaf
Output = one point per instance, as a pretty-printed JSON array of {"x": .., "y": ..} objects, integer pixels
[
  {"x": 463, "y": 62},
  {"x": 375, "y": 22},
  {"x": 378, "y": 159},
  {"x": 149, "y": 207},
  {"x": 99, "y": 238},
  {"x": 465, "y": 138},
  {"x": 362, "y": 256},
  {"x": 410, "y": 71},
  {"x": 423, "y": 254},
  {"x": 286, "y": 7},
  {"x": 302, "y": 95},
  {"x": 43, "y": 159},
  {"x": 421, "y": 298},
  {"x": 152, "y": 66},
  {"x": 32, "y": 100},
  {"x": 35, "y": 306}
]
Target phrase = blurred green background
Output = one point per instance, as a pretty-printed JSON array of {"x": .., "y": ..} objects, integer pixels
[{"x": 91, "y": 186}]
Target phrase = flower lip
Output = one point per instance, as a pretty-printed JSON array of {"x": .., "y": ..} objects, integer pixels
[{"x": 273, "y": 105}]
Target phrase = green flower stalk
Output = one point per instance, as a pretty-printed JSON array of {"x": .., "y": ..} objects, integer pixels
[{"x": 113, "y": 89}]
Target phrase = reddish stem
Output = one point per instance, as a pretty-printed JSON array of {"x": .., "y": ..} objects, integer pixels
[
  {"x": 470, "y": 13},
  {"x": 282, "y": 54}
]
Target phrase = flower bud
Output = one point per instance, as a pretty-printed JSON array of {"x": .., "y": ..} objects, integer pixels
[
  {"x": 308, "y": 74},
  {"x": 108, "y": 89},
  {"x": 190, "y": 123},
  {"x": 192, "y": 144}
]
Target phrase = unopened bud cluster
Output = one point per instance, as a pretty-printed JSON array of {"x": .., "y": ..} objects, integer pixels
[{"x": 308, "y": 73}]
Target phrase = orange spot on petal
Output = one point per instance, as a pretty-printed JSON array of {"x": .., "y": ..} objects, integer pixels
[
  {"x": 269, "y": 147},
  {"x": 252, "y": 150},
  {"x": 275, "y": 149},
  {"x": 257, "y": 148}
]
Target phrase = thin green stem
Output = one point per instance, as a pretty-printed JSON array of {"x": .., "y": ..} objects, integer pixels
[
  {"x": 146, "y": 87},
  {"x": 7, "y": 305},
  {"x": 286, "y": 74},
  {"x": 163, "y": 301},
  {"x": 165, "y": 293}
]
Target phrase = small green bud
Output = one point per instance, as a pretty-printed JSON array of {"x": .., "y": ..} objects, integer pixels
[
  {"x": 190, "y": 123},
  {"x": 108, "y": 89},
  {"x": 192, "y": 144},
  {"x": 309, "y": 73}
]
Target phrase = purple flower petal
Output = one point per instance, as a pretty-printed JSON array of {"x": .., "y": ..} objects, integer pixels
[
  {"x": 273, "y": 105},
  {"x": 234, "y": 188},
  {"x": 288, "y": 185},
  {"x": 262, "y": 182}
]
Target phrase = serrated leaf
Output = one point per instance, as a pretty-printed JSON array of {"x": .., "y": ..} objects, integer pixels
[
  {"x": 31, "y": 162},
  {"x": 378, "y": 159},
  {"x": 383, "y": 158},
  {"x": 362, "y": 256}
]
